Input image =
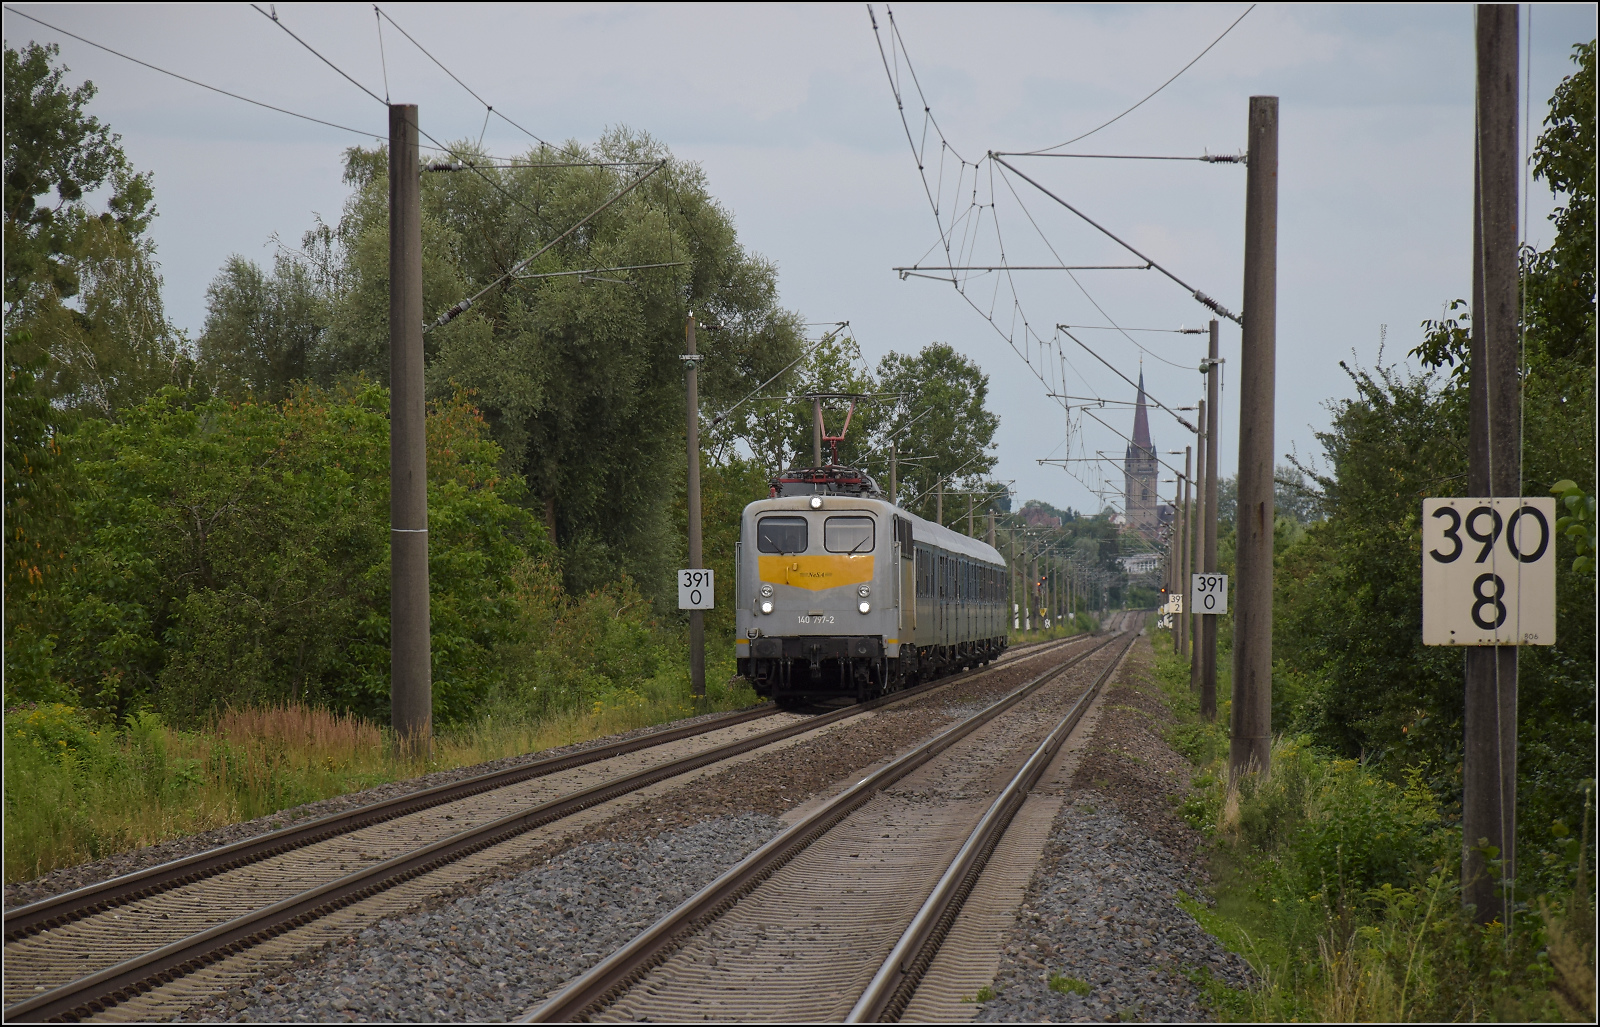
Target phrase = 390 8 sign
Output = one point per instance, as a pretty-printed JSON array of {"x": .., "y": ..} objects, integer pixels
[{"x": 1489, "y": 571}]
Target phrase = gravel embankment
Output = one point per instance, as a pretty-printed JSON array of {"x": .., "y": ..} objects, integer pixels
[
  {"x": 493, "y": 955},
  {"x": 775, "y": 782},
  {"x": 1102, "y": 908},
  {"x": 491, "y": 949},
  {"x": 67, "y": 878}
]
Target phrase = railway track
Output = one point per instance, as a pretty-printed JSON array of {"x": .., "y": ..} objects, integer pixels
[
  {"x": 78, "y": 954},
  {"x": 882, "y": 869}
]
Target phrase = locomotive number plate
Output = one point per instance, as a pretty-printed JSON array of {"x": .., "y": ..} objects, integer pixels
[{"x": 821, "y": 618}]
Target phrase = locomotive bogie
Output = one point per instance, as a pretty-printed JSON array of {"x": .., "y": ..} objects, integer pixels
[{"x": 849, "y": 595}]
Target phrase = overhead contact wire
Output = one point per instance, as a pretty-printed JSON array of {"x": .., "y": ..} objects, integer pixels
[
  {"x": 1152, "y": 94},
  {"x": 192, "y": 81}
]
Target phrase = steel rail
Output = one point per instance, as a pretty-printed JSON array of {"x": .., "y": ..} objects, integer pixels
[
  {"x": 62, "y": 909},
  {"x": 892, "y": 987},
  {"x": 58, "y": 910},
  {"x": 614, "y": 975},
  {"x": 96, "y": 992}
]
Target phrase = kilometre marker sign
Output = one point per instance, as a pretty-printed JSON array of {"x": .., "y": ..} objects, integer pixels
[
  {"x": 697, "y": 590},
  {"x": 1210, "y": 593},
  {"x": 1489, "y": 571}
]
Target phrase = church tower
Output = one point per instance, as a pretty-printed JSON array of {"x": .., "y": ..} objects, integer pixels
[{"x": 1139, "y": 474}]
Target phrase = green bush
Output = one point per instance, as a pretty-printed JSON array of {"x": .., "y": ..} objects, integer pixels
[
  {"x": 1340, "y": 885},
  {"x": 238, "y": 554}
]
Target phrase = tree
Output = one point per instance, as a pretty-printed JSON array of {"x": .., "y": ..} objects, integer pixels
[
  {"x": 780, "y": 431},
  {"x": 261, "y": 331},
  {"x": 945, "y": 420},
  {"x": 577, "y": 374},
  {"x": 1561, "y": 279},
  {"x": 81, "y": 283},
  {"x": 238, "y": 553},
  {"x": 1348, "y": 604}
]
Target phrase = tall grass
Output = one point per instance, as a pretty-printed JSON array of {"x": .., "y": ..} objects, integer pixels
[
  {"x": 76, "y": 792},
  {"x": 1340, "y": 885},
  {"x": 78, "y": 787}
]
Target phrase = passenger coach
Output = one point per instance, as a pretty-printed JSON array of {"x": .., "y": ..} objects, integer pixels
[{"x": 841, "y": 593}]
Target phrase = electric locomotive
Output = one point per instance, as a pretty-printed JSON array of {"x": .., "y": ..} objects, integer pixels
[{"x": 841, "y": 593}]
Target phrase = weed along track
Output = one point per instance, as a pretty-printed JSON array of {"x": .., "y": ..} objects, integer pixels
[
  {"x": 161, "y": 939},
  {"x": 839, "y": 915}
]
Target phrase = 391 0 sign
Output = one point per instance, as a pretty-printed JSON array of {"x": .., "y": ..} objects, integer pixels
[
  {"x": 697, "y": 589},
  {"x": 1489, "y": 571}
]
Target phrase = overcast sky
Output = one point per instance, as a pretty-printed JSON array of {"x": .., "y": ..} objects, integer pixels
[{"x": 789, "y": 111}]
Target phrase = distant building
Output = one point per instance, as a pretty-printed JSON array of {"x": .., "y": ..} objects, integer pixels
[
  {"x": 1140, "y": 563},
  {"x": 1034, "y": 517},
  {"x": 1139, "y": 474}
]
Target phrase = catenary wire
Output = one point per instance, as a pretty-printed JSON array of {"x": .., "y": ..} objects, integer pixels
[
  {"x": 192, "y": 81},
  {"x": 383, "y": 58},
  {"x": 1019, "y": 334},
  {"x": 464, "y": 305},
  {"x": 457, "y": 78},
  {"x": 1199, "y": 296},
  {"x": 1125, "y": 378},
  {"x": 347, "y": 77},
  {"x": 1151, "y": 96},
  {"x": 1075, "y": 281}
]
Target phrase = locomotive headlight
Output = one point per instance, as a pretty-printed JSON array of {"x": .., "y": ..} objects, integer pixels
[
  {"x": 766, "y": 606},
  {"x": 766, "y": 590},
  {"x": 816, "y": 502},
  {"x": 864, "y": 591},
  {"x": 865, "y": 607}
]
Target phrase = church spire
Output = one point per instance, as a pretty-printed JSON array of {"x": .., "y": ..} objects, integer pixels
[{"x": 1141, "y": 420}]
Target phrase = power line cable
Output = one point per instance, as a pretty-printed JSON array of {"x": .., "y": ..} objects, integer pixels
[
  {"x": 1205, "y": 158},
  {"x": 501, "y": 162},
  {"x": 1125, "y": 378},
  {"x": 1130, "y": 442},
  {"x": 457, "y": 78},
  {"x": 1158, "y": 89},
  {"x": 496, "y": 186},
  {"x": 192, "y": 81},
  {"x": 1199, "y": 296},
  {"x": 958, "y": 235},
  {"x": 462, "y": 307},
  {"x": 382, "y": 57},
  {"x": 1118, "y": 328},
  {"x": 273, "y": 17},
  {"x": 1075, "y": 281}
]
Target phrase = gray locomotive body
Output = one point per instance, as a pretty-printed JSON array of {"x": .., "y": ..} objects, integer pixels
[{"x": 841, "y": 593}]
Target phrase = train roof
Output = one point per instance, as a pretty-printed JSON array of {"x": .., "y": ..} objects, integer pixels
[{"x": 921, "y": 530}]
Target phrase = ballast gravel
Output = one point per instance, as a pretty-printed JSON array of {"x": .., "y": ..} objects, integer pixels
[
  {"x": 495, "y": 954},
  {"x": 1102, "y": 915},
  {"x": 67, "y": 878}
]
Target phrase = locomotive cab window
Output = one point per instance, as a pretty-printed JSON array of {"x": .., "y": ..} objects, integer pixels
[
  {"x": 781, "y": 535},
  {"x": 848, "y": 535}
]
